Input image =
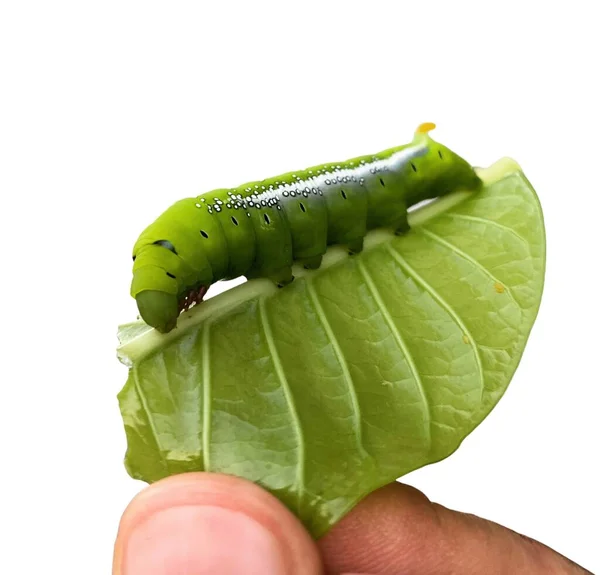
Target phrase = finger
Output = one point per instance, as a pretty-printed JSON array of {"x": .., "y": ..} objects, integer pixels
[
  {"x": 398, "y": 530},
  {"x": 206, "y": 523}
]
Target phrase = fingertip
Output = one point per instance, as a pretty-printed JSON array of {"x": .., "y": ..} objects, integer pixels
[
  {"x": 394, "y": 529},
  {"x": 397, "y": 529},
  {"x": 207, "y": 522}
]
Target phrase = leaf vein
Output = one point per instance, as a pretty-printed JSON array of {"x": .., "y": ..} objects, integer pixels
[
  {"x": 138, "y": 388},
  {"x": 468, "y": 258},
  {"x": 399, "y": 341},
  {"x": 342, "y": 361},
  {"x": 446, "y": 306},
  {"x": 485, "y": 221},
  {"x": 289, "y": 398},
  {"x": 207, "y": 395}
]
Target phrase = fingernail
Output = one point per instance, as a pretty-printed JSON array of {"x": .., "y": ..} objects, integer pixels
[{"x": 199, "y": 540}]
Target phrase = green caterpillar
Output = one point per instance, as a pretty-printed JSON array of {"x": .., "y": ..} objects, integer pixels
[{"x": 261, "y": 228}]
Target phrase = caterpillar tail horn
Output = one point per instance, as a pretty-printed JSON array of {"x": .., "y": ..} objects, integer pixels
[
  {"x": 158, "y": 309},
  {"x": 424, "y": 128}
]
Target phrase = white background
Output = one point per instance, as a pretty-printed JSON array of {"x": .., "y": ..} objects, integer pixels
[{"x": 111, "y": 111}]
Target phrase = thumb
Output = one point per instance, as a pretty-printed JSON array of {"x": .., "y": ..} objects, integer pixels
[{"x": 205, "y": 523}]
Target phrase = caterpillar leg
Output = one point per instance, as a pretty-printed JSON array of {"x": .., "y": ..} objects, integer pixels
[
  {"x": 282, "y": 277},
  {"x": 311, "y": 263},
  {"x": 193, "y": 297},
  {"x": 355, "y": 246},
  {"x": 401, "y": 230},
  {"x": 402, "y": 226}
]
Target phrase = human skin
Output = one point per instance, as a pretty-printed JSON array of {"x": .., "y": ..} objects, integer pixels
[{"x": 201, "y": 523}]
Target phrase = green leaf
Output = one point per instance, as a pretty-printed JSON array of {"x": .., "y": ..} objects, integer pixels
[{"x": 355, "y": 374}]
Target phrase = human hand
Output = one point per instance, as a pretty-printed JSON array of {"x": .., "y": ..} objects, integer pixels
[{"x": 203, "y": 523}]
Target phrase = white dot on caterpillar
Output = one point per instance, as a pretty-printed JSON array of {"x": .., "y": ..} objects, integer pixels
[
  {"x": 248, "y": 214},
  {"x": 228, "y": 205},
  {"x": 286, "y": 194},
  {"x": 198, "y": 205},
  {"x": 328, "y": 182}
]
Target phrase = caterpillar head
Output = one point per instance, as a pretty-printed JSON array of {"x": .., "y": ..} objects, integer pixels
[
  {"x": 158, "y": 309},
  {"x": 161, "y": 281}
]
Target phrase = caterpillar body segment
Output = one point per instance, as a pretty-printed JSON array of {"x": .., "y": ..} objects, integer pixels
[{"x": 260, "y": 229}]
